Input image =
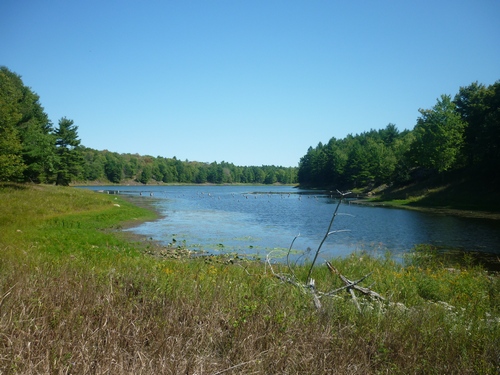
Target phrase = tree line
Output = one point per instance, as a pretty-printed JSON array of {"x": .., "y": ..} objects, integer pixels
[
  {"x": 115, "y": 168},
  {"x": 33, "y": 150},
  {"x": 459, "y": 133}
]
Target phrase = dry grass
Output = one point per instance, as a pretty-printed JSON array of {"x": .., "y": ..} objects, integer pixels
[{"x": 117, "y": 312}]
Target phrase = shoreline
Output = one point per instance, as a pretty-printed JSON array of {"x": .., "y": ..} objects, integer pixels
[
  {"x": 435, "y": 210},
  {"x": 476, "y": 214}
]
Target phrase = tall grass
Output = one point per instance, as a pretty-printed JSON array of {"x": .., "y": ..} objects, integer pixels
[{"x": 76, "y": 297}]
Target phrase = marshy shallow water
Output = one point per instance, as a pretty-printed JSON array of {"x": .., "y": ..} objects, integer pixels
[{"x": 257, "y": 220}]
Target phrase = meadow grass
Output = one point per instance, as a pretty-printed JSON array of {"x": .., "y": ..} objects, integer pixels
[{"x": 77, "y": 297}]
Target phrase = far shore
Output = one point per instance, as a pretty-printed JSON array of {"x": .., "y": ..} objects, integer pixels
[
  {"x": 435, "y": 210},
  {"x": 136, "y": 183}
]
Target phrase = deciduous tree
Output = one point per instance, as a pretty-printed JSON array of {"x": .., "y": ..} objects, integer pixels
[
  {"x": 439, "y": 136},
  {"x": 11, "y": 160},
  {"x": 24, "y": 123}
]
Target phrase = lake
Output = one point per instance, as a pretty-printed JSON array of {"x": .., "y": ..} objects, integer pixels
[{"x": 257, "y": 220}]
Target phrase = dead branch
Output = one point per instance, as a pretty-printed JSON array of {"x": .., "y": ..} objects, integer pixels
[
  {"x": 353, "y": 285},
  {"x": 291, "y": 279},
  {"x": 309, "y": 286},
  {"x": 342, "y": 195},
  {"x": 289, "y": 251}
]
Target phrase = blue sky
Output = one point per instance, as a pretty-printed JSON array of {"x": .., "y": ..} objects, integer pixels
[{"x": 248, "y": 82}]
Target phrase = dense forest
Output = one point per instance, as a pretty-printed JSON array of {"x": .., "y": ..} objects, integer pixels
[
  {"x": 460, "y": 133},
  {"x": 457, "y": 134},
  {"x": 114, "y": 167},
  {"x": 33, "y": 150}
]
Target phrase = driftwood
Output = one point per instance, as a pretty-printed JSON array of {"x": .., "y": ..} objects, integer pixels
[
  {"x": 351, "y": 286},
  {"x": 309, "y": 286},
  {"x": 316, "y": 295}
]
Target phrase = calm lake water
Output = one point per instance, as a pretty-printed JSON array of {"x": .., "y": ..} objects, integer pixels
[{"x": 255, "y": 220}]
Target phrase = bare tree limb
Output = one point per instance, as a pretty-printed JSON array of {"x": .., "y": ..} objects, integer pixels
[
  {"x": 342, "y": 195},
  {"x": 288, "y": 254},
  {"x": 309, "y": 286},
  {"x": 350, "y": 285}
]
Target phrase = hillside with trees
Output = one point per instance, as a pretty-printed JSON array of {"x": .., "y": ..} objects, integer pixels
[
  {"x": 33, "y": 150},
  {"x": 459, "y": 136}
]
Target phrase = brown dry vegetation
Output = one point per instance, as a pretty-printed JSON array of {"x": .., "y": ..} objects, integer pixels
[{"x": 75, "y": 299}]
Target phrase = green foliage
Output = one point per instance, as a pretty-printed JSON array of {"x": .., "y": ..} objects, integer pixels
[
  {"x": 31, "y": 149},
  {"x": 355, "y": 161},
  {"x": 438, "y": 136},
  {"x": 27, "y": 151},
  {"x": 114, "y": 167},
  {"x": 93, "y": 164},
  {"x": 11, "y": 161},
  {"x": 449, "y": 136},
  {"x": 69, "y": 157},
  {"x": 479, "y": 108},
  {"x": 145, "y": 174}
]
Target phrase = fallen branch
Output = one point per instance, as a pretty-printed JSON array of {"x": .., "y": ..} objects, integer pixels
[
  {"x": 328, "y": 232},
  {"x": 309, "y": 287},
  {"x": 291, "y": 279},
  {"x": 353, "y": 285}
]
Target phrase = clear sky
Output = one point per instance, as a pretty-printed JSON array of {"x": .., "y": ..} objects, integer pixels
[{"x": 249, "y": 82}]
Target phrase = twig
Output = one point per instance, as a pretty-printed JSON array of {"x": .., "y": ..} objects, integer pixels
[
  {"x": 353, "y": 285},
  {"x": 312, "y": 290},
  {"x": 309, "y": 286},
  {"x": 327, "y": 233},
  {"x": 288, "y": 254},
  {"x": 308, "y": 250}
]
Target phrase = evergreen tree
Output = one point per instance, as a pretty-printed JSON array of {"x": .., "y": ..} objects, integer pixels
[{"x": 69, "y": 155}]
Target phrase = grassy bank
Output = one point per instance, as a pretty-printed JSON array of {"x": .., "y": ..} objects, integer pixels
[
  {"x": 447, "y": 191},
  {"x": 76, "y": 297}
]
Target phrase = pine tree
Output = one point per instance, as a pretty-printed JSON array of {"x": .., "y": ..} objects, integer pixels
[{"x": 69, "y": 156}]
